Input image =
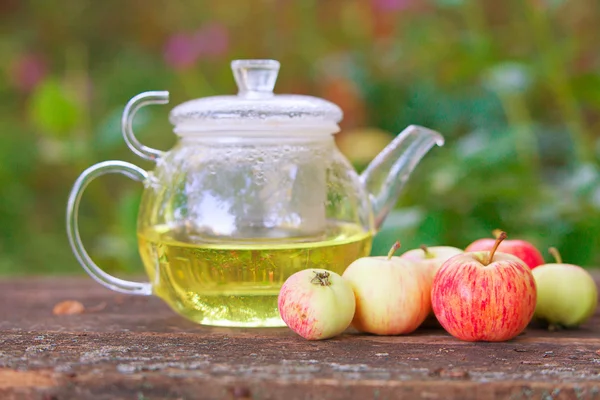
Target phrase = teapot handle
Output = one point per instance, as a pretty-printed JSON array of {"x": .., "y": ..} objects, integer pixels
[
  {"x": 137, "y": 102},
  {"x": 109, "y": 281}
]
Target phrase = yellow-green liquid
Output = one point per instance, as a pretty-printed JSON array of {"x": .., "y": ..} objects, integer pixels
[{"x": 237, "y": 284}]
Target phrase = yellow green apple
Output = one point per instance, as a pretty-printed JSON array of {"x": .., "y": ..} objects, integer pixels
[
  {"x": 567, "y": 294},
  {"x": 392, "y": 294}
]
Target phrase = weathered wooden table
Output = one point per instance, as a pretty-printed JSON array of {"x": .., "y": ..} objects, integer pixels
[{"x": 136, "y": 348}]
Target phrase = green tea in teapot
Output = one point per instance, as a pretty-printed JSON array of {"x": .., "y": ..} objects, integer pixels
[{"x": 238, "y": 284}]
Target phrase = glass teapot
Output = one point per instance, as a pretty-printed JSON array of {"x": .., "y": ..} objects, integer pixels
[{"x": 253, "y": 191}]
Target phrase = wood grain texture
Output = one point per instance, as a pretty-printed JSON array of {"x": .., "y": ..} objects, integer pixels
[{"x": 137, "y": 348}]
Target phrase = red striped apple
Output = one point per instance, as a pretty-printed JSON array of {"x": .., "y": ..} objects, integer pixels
[
  {"x": 392, "y": 294},
  {"x": 484, "y": 296},
  {"x": 316, "y": 304},
  {"x": 520, "y": 248},
  {"x": 567, "y": 294}
]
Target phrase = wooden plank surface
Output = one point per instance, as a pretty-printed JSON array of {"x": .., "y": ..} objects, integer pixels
[{"x": 136, "y": 348}]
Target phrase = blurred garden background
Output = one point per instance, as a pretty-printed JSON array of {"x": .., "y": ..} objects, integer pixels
[{"x": 513, "y": 85}]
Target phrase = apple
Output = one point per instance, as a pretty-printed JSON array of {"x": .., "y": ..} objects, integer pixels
[
  {"x": 392, "y": 294},
  {"x": 484, "y": 296},
  {"x": 520, "y": 248},
  {"x": 431, "y": 258},
  {"x": 316, "y": 304},
  {"x": 567, "y": 294}
]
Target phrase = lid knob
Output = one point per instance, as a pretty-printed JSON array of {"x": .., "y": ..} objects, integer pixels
[{"x": 255, "y": 78}]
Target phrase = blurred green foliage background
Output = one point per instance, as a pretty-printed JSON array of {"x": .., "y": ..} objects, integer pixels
[{"x": 513, "y": 85}]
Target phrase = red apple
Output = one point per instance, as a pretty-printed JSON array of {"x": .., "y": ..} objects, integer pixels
[
  {"x": 484, "y": 296},
  {"x": 520, "y": 248},
  {"x": 393, "y": 295}
]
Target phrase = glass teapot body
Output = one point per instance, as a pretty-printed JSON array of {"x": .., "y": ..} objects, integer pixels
[{"x": 225, "y": 220}]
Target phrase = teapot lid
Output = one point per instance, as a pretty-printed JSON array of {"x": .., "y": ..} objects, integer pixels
[{"x": 256, "y": 107}]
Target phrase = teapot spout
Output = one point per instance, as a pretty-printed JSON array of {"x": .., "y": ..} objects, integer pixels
[{"x": 386, "y": 175}]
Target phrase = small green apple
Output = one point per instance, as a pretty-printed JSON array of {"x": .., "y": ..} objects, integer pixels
[
  {"x": 316, "y": 303},
  {"x": 567, "y": 294}
]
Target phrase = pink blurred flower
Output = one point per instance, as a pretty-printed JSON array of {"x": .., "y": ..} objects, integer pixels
[
  {"x": 180, "y": 51},
  {"x": 392, "y": 5},
  {"x": 28, "y": 70},
  {"x": 183, "y": 50}
]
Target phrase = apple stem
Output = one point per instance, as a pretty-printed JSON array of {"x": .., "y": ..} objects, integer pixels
[
  {"x": 428, "y": 254},
  {"x": 394, "y": 248},
  {"x": 497, "y": 233},
  {"x": 556, "y": 254},
  {"x": 499, "y": 239},
  {"x": 321, "y": 278}
]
